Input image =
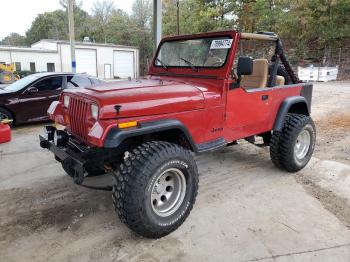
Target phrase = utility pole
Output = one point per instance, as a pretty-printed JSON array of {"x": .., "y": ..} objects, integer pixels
[
  {"x": 177, "y": 18},
  {"x": 157, "y": 22},
  {"x": 72, "y": 34}
]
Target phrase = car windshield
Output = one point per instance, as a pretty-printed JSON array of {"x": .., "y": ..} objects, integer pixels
[
  {"x": 18, "y": 85},
  {"x": 210, "y": 52}
]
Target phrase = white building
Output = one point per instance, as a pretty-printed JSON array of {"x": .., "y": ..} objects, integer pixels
[{"x": 106, "y": 61}]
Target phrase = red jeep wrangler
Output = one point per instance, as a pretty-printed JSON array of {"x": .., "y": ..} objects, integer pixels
[{"x": 203, "y": 92}]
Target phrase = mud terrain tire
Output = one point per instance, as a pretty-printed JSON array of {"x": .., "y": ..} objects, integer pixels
[
  {"x": 142, "y": 183},
  {"x": 292, "y": 147}
]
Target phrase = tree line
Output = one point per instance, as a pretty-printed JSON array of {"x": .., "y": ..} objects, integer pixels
[{"x": 310, "y": 29}]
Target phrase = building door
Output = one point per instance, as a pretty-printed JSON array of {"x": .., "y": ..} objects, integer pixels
[
  {"x": 124, "y": 64},
  {"x": 86, "y": 61},
  {"x": 107, "y": 74}
]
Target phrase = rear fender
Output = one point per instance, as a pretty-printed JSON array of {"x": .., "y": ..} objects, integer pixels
[{"x": 294, "y": 104}]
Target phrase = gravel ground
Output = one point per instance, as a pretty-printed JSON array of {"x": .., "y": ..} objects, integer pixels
[{"x": 246, "y": 209}]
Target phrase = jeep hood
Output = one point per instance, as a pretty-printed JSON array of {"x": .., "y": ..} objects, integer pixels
[{"x": 145, "y": 97}]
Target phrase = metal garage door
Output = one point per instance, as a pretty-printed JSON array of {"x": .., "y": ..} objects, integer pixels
[
  {"x": 86, "y": 61},
  {"x": 123, "y": 64}
]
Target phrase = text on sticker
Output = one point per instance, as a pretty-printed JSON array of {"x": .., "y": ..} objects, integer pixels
[{"x": 221, "y": 44}]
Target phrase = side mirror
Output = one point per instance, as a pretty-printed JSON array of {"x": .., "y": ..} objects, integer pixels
[
  {"x": 32, "y": 90},
  {"x": 245, "y": 66}
]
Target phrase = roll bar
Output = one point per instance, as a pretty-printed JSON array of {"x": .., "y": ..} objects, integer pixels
[
  {"x": 260, "y": 36},
  {"x": 279, "y": 54}
]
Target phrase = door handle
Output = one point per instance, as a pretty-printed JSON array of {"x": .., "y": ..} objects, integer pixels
[{"x": 264, "y": 97}]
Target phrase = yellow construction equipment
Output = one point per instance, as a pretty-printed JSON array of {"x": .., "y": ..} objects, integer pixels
[{"x": 7, "y": 75}]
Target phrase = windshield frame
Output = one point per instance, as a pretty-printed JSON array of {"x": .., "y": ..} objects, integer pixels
[{"x": 228, "y": 36}]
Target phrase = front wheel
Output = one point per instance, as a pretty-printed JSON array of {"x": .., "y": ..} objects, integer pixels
[
  {"x": 292, "y": 147},
  {"x": 156, "y": 187},
  {"x": 6, "y": 115}
]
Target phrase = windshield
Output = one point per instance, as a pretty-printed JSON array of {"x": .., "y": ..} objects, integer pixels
[
  {"x": 210, "y": 52},
  {"x": 18, "y": 85}
]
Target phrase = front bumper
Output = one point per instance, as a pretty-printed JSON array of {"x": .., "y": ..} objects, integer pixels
[
  {"x": 77, "y": 167},
  {"x": 73, "y": 164}
]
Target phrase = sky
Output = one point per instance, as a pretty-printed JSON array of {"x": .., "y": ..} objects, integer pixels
[{"x": 19, "y": 14}]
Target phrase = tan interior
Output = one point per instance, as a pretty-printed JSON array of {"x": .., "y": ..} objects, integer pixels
[
  {"x": 279, "y": 80},
  {"x": 258, "y": 78}
]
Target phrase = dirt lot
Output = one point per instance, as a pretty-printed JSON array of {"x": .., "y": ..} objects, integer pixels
[{"x": 246, "y": 209}]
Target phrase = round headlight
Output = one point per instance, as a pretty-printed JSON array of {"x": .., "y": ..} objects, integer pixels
[
  {"x": 94, "y": 111},
  {"x": 66, "y": 101}
]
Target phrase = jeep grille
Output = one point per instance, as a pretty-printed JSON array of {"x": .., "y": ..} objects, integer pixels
[{"x": 77, "y": 110}]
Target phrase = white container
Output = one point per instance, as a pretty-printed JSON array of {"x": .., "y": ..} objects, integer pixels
[{"x": 322, "y": 74}]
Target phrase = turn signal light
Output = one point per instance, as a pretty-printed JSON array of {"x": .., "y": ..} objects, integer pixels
[
  {"x": 66, "y": 119},
  {"x": 127, "y": 124}
]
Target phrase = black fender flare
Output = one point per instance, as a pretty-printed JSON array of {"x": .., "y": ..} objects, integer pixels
[
  {"x": 285, "y": 107},
  {"x": 116, "y": 136}
]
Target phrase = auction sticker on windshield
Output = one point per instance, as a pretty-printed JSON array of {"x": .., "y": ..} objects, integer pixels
[{"x": 221, "y": 44}]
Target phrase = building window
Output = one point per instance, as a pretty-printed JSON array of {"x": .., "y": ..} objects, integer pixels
[
  {"x": 32, "y": 66},
  {"x": 18, "y": 66},
  {"x": 50, "y": 67}
]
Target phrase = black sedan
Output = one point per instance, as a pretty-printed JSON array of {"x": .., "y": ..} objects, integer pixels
[{"x": 28, "y": 99}]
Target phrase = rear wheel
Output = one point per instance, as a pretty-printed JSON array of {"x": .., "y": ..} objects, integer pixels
[
  {"x": 156, "y": 188},
  {"x": 292, "y": 147}
]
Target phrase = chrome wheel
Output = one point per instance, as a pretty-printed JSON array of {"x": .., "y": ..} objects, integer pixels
[
  {"x": 168, "y": 192},
  {"x": 302, "y": 144}
]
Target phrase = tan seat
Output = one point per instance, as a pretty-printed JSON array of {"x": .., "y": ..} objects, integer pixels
[
  {"x": 280, "y": 81},
  {"x": 258, "y": 78}
]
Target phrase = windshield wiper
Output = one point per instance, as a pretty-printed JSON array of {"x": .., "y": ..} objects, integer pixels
[
  {"x": 164, "y": 65},
  {"x": 190, "y": 64}
]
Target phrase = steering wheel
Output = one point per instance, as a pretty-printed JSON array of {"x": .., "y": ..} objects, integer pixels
[{"x": 219, "y": 62}]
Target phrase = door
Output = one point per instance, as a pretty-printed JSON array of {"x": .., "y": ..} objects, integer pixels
[
  {"x": 37, "y": 98},
  {"x": 86, "y": 61},
  {"x": 107, "y": 71},
  {"x": 248, "y": 111},
  {"x": 123, "y": 63}
]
